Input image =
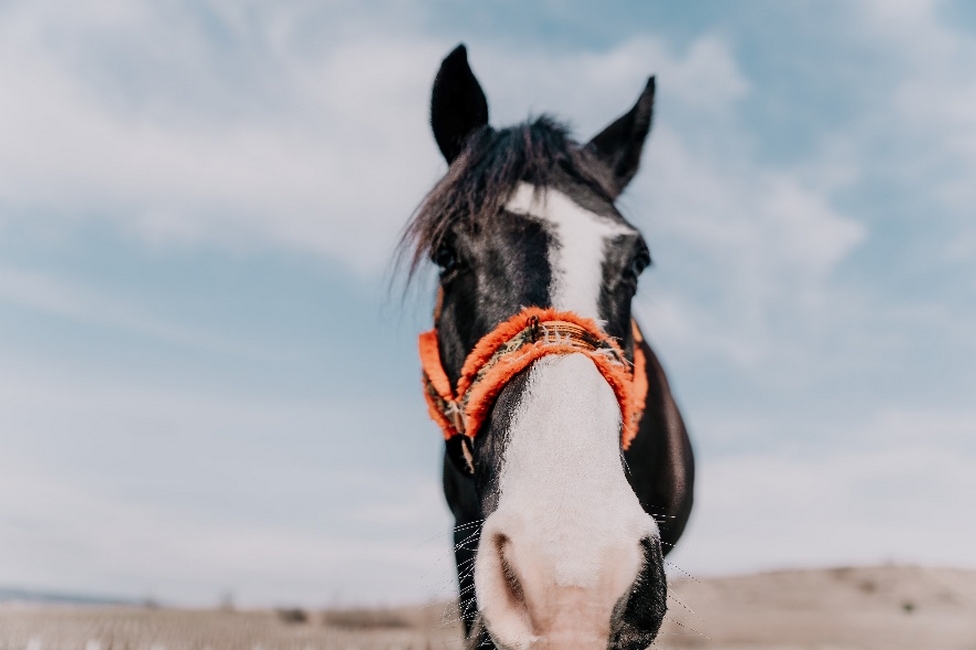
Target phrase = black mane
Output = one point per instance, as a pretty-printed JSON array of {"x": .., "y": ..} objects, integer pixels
[{"x": 482, "y": 178}]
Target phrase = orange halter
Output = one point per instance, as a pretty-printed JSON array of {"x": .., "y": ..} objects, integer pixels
[{"x": 508, "y": 349}]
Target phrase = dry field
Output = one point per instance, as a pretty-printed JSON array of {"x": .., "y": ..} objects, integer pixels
[
  {"x": 880, "y": 608},
  {"x": 864, "y": 608}
]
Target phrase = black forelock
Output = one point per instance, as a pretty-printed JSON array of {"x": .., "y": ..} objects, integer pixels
[{"x": 484, "y": 176}]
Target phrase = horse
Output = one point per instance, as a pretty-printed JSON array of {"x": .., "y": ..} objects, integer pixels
[{"x": 567, "y": 464}]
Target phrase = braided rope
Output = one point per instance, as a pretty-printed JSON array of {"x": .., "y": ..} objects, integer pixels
[{"x": 508, "y": 349}]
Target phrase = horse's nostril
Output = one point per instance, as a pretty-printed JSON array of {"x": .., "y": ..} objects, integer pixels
[
  {"x": 639, "y": 613},
  {"x": 513, "y": 585},
  {"x": 504, "y": 590}
]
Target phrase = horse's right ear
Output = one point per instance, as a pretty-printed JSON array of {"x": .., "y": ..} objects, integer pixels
[
  {"x": 457, "y": 104},
  {"x": 619, "y": 145}
]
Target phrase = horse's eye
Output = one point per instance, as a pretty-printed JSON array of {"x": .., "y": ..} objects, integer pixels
[
  {"x": 446, "y": 258},
  {"x": 640, "y": 262}
]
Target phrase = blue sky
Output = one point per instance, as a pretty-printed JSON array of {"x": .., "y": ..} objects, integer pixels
[{"x": 206, "y": 385}]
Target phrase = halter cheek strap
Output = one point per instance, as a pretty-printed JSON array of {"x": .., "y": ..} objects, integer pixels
[{"x": 509, "y": 349}]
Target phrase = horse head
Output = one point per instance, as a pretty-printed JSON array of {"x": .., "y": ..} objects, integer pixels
[{"x": 556, "y": 543}]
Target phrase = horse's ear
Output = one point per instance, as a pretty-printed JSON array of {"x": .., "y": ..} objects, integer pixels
[
  {"x": 620, "y": 144},
  {"x": 457, "y": 104}
]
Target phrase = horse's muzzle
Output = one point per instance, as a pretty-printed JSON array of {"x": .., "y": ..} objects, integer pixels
[{"x": 527, "y": 605}]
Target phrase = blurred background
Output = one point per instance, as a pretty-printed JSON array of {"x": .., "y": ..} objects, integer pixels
[{"x": 209, "y": 391}]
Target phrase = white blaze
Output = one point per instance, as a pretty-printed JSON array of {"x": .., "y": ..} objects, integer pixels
[
  {"x": 562, "y": 489},
  {"x": 564, "y": 503},
  {"x": 577, "y": 258}
]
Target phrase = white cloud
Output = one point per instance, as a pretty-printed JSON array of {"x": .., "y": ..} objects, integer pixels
[
  {"x": 338, "y": 163},
  {"x": 927, "y": 121},
  {"x": 71, "y": 538},
  {"x": 591, "y": 89},
  {"x": 904, "y": 503},
  {"x": 899, "y": 426},
  {"x": 136, "y": 491},
  {"x": 764, "y": 240},
  {"x": 335, "y": 169},
  {"x": 761, "y": 241},
  {"x": 320, "y": 148}
]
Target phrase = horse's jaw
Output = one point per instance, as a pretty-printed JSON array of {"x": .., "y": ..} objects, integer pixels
[{"x": 564, "y": 547}]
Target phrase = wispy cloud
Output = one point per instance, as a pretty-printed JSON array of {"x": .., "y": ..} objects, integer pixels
[
  {"x": 319, "y": 148},
  {"x": 323, "y": 168},
  {"x": 56, "y": 296},
  {"x": 763, "y": 240}
]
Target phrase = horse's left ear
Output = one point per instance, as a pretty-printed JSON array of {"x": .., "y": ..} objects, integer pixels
[
  {"x": 620, "y": 144},
  {"x": 457, "y": 104}
]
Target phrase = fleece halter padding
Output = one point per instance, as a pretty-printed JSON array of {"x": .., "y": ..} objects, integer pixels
[{"x": 509, "y": 349}]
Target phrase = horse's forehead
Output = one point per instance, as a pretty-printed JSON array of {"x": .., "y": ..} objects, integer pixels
[
  {"x": 555, "y": 207},
  {"x": 578, "y": 250}
]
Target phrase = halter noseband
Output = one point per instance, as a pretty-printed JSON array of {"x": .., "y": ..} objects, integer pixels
[{"x": 508, "y": 349}]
